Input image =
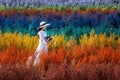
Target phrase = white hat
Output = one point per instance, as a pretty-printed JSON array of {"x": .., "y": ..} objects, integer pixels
[{"x": 42, "y": 24}]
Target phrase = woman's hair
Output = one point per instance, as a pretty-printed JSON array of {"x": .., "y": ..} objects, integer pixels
[{"x": 40, "y": 29}]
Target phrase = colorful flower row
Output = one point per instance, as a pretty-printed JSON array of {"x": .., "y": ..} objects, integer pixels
[
  {"x": 30, "y": 42},
  {"x": 69, "y": 22},
  {"x": 61, "y": 72},
  {"x": 33, "y": 3},
  {"x": 76, "y": 56}
]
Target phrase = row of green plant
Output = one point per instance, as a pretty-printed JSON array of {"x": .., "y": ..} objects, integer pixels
[{"x": 59, "y": 8}]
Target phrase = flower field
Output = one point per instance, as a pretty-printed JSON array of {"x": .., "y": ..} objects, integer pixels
[{"x": 85, "y": 45}]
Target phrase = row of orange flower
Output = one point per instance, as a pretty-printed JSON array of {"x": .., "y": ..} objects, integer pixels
[
  {"x": 77, "y": 56},
  {"x": 68, "y": 11}
]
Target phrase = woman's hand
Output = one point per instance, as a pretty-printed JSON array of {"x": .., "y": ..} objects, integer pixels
[{"x": 48, "y": 39}]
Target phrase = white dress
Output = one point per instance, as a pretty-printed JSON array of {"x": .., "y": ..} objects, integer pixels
[{"x": 42, "y": 47}]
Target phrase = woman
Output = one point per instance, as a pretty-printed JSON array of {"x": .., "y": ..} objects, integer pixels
[{"x": 42, "y": 46}]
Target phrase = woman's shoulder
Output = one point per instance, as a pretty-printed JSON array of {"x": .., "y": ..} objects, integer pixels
[{"x": 39, "y": 32}]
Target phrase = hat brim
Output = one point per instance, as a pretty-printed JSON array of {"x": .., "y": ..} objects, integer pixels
[
  {"x": 40, "y": 27},
  {"x": 46, "y": 25}
]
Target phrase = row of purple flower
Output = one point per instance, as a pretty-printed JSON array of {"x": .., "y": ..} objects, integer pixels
[{"x": 32, "y": 3}]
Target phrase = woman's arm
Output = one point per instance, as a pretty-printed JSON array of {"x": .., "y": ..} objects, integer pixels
[{"x": 38, "y": 36}]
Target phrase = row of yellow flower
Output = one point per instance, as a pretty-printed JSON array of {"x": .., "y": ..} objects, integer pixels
[
  {"x": 21, "y": 41},
  {"x": 101, "y": 39},
  {"x": 94, "y": 40},
  {"x": 30, "y": 42}
]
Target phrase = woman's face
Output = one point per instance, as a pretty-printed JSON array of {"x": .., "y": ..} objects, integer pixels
[{"x": 44, "y": 27}]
